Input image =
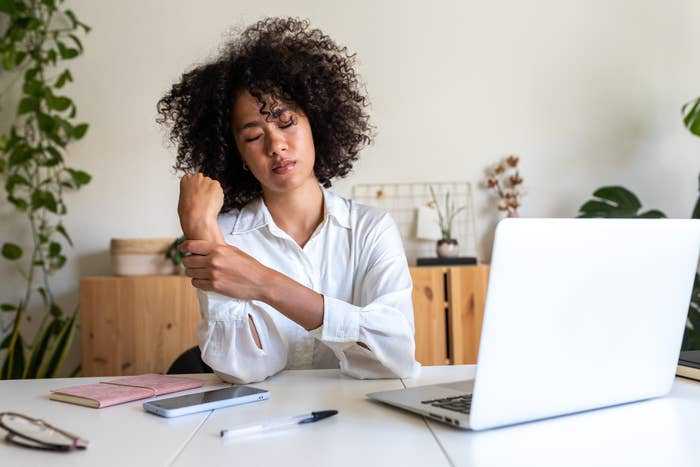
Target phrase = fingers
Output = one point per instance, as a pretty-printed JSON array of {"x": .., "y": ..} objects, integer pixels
[
  {"x": 196, "y": 261},
  {"x": 197, "y": 247},
  {"x": 199, "y": 273},
  {"x": 202, "y": 284},
  {"x": 198, "y": 178},
  {"x": 189, "y": 176}
]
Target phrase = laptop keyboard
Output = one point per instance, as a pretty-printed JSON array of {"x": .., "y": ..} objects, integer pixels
[{"x": 461, "y": 404}]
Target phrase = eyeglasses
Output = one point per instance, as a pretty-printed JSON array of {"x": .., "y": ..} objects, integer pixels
[{"x": 37, "y": 434}]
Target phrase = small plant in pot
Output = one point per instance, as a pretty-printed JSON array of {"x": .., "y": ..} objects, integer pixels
[
  {"x": 175, "y": 255},
  {"x": 447, "y": 246}
]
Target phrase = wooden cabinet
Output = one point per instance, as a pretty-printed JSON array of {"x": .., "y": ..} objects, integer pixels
[
  {"x": 134, "y": 325},
  {"x": 448, "y": 309}
]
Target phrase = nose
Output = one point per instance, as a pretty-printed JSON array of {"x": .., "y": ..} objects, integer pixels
[{"x": 276, "y": 144}]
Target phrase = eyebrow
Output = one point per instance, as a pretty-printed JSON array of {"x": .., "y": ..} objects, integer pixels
[
  {"x": 249, "y": 125},
  {"x": 255, "y": 123}
]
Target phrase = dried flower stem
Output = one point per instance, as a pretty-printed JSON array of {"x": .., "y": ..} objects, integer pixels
[{"x": 507, "y": 185}]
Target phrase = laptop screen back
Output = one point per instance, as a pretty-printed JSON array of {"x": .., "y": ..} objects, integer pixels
[{"x": 580, "y": 314}]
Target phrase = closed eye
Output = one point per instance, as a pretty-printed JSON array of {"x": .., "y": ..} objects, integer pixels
[
  {"x": 248, "y": 140},
  {"x": 281, "y": 127}
]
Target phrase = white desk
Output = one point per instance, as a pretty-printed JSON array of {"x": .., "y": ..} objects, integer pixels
[
  {"x": 659, "y": 432},
  {"x": 364, "y": 433},
  {"x": 121, "y": 435}
]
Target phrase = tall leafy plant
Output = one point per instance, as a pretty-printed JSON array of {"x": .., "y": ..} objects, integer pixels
[
  {"x": 691, "y": 338},
  {"x": 617, "y": 201},
  {"x": 38, "y": 38}
]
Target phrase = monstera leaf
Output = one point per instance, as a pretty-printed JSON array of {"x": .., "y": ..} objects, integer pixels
[
  {"x": 691, "y": 336},
  {"x": 616, "y": 202},
  {"x": 691, "y": 116}
]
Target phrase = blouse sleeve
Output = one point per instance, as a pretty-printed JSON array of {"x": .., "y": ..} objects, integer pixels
[
  {"x": 226, "y": 341},
  {"x": 381, "y": 319}
]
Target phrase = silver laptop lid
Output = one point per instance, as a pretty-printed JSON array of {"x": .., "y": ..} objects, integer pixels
[{"x": 582, "y": 313}]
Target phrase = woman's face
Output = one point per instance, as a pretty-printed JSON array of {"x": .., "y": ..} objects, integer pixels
[{"x": 279, "y": 152}]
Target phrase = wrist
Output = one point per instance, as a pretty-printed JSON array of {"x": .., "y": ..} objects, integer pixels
[{"x": 202, "y": 230}]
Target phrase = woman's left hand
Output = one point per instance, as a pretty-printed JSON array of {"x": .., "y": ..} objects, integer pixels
[{"x": 224, "y": 269}]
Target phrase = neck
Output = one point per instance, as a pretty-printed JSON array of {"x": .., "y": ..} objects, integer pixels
[{"x": 298, "y": 212}]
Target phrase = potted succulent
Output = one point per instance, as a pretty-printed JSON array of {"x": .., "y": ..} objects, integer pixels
[{"x": 447, "y": 246}]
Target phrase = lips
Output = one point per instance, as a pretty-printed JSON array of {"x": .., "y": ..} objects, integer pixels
[{"x": 283, "y": 167}]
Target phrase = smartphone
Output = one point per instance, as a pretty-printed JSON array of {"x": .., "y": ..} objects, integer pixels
[{"x": 207, "y": 400}]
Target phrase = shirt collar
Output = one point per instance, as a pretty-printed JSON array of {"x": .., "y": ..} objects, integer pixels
[
  {"x": 251, "y": 217},
  {"x": 336, "y": 207},
  {"x": 255, "y": 214}
]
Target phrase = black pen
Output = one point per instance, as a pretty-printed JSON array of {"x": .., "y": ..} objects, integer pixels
[{"x": 277, "y": 423}]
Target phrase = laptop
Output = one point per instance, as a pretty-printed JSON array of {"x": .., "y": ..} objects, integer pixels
[{"x": 580, "y": 314}]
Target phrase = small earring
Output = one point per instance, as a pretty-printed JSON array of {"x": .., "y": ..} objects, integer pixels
[{"x": 245, "y": 167}]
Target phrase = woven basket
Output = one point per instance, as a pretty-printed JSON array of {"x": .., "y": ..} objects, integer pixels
[{"x": 141, "y": 256}]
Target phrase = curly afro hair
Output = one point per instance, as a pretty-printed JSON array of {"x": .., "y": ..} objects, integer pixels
[{"x": 284, "y": 60}]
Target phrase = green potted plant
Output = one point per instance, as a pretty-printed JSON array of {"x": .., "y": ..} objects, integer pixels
[
  {"x": 617, "y": 201},
  {"x": 174, "y": 254},
  {"x": 691, "y": 337},
  {"x": 38, "y": 38},
  {"x": 447, "y": 246}
]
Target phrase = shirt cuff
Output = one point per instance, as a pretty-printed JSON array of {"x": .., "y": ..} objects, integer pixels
[
  {"x": 341, "y": 321},
  {"x": 217, "y": 307}
]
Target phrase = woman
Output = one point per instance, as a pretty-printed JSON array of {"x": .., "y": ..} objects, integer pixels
[{"x": 289, "y": 275}]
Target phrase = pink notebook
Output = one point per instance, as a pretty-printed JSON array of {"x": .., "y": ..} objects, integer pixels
[{"x": 118, "y": 391}]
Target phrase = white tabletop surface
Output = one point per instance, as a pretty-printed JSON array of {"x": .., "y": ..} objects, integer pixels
[
  {"x": 363, "y": 432},
  {"x": 122, "y": 435},
  {"x": 659, "y": 432}
]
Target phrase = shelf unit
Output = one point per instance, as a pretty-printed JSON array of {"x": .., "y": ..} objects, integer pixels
[{"x": 141, "y": 324}]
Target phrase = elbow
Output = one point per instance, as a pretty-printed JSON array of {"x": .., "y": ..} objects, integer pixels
[
  {"x": 241, "y": 378},
  {"x": 243, "y": 372},
  {"x": 401, "y": 362},
  {"x": 366, "y": 364},
  {"x": 405, "y": 367},
  {"x": 240, "y": 365}
]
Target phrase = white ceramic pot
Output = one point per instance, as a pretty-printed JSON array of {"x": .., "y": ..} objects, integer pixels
[{"x": 447, "y": 248}]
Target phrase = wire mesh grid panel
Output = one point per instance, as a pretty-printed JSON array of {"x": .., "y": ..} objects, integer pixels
[{"x": 403, "y": 200}]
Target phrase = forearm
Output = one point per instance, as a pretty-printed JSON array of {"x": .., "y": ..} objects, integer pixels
[
  {"x": 297, "y": 302},
  {"x": 227, "y": 346},
  {"x": 385, "y": 327},
  {"x": 224, "y": 269}
]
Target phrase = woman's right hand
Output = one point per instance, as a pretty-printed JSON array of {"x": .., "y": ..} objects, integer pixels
[{"x": 201, "y": 199}]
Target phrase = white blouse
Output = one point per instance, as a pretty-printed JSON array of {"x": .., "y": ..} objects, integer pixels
[{"x": 355, "y": 259}]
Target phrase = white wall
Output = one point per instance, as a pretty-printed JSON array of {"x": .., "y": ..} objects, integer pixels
[{"x": 586, "y": 92}]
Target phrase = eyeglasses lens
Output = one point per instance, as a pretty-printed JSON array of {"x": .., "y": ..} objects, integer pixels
[{"x": 35, "y": 430}]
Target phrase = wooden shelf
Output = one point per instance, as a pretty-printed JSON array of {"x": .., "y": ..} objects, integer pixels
[
  {"x": 448, "y": 310},
  {"x": 138, "y": 324},
  {"x": 141, "y": 324}
]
